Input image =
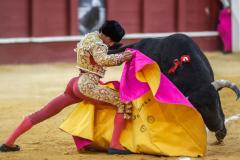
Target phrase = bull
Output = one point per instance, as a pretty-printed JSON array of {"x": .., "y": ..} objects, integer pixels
[{"x": 195, "y": 78}]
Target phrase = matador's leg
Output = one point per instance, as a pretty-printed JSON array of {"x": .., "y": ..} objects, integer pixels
[
  {"x": 88, "y": 87},
  {"x": 47, "y": 111}
]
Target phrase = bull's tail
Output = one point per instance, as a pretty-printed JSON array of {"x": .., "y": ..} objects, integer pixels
[{"x": 219, "y": 84}]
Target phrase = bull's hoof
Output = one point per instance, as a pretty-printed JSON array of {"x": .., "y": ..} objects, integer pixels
[{"x": 221, "y": 134}]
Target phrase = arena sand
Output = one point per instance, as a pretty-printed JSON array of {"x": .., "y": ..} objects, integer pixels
[{"x": 25, "y": 88}]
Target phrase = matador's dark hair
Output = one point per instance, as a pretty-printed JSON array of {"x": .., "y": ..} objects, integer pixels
[{"x": 112, "y": 29}]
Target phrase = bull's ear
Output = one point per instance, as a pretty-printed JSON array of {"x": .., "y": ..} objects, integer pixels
[{"x": 115, "y": 46}]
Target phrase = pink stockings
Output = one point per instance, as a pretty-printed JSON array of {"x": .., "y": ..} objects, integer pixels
[
  {"x": 49, "y": 110},
  {"x": 119, "y": 124},
  {"x": 55, "y": 106}
]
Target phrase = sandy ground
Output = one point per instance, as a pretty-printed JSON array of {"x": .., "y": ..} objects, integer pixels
[{"x": 25, "y": 88}]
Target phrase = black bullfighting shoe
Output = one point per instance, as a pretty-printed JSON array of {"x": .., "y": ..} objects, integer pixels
[
  {"x": 5, "y": 148},
  {"x": 118, "y": 151}
]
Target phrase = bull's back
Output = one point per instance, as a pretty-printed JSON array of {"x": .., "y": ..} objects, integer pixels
[{"x": 190, "y": 76}]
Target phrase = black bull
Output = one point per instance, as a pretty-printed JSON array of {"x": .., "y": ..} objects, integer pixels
[{"x": 194, "y": 79}]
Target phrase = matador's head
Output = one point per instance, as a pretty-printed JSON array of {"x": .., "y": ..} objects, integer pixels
[{"x": 113, "y": 30}]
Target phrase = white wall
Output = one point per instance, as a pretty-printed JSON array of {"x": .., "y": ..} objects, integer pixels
[{"x": 235, "y": 8}]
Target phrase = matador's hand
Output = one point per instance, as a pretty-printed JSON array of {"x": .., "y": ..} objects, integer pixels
[{"x": 127, "y": 55}]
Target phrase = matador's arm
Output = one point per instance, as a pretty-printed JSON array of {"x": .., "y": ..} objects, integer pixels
[{"x": 99, "y": 53}]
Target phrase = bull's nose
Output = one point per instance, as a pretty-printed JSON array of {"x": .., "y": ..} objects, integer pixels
[{"x": 221, "y": 134}]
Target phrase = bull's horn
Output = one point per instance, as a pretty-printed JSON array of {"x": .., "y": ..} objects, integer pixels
[{"x": 218, "y": 84}]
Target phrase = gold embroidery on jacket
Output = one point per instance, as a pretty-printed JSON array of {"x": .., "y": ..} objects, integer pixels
[
  {"x": 99, "y": 53},
  {"x": 91, "y": 46},
  {"x": 84, "y": 55},
  {"x": 92, "y": 58}
]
